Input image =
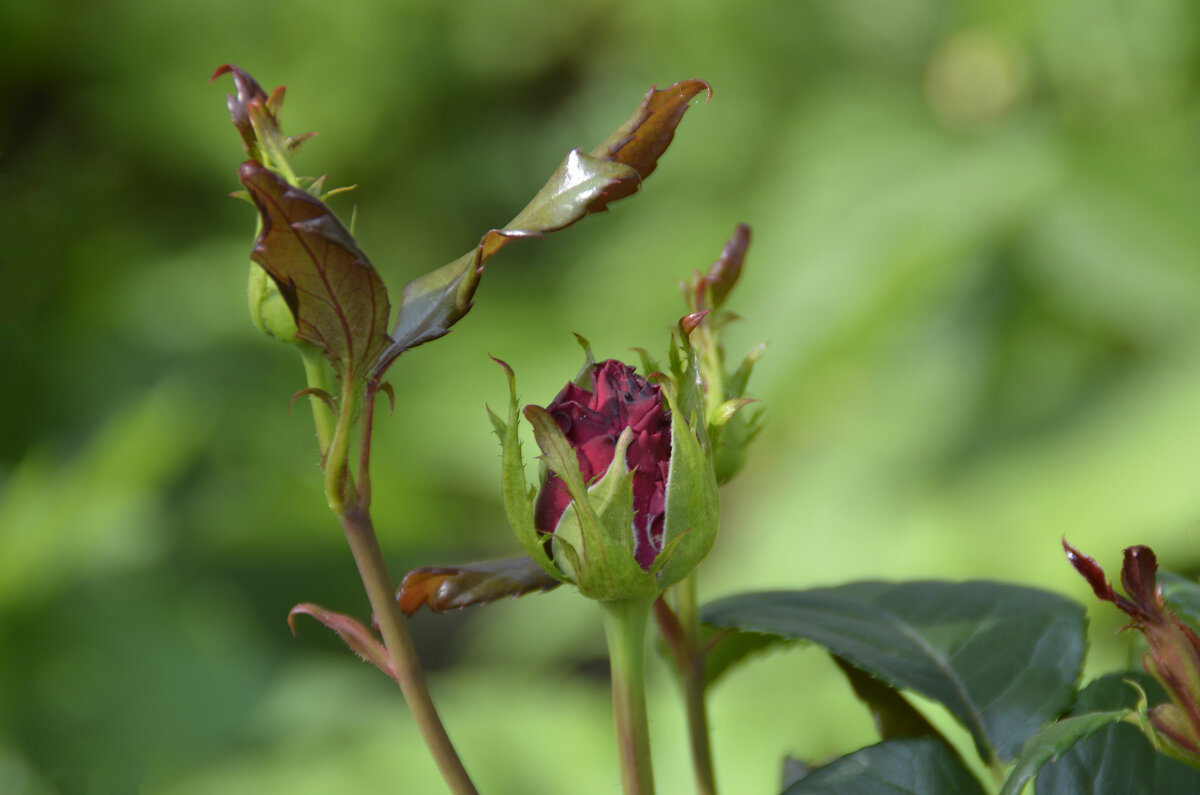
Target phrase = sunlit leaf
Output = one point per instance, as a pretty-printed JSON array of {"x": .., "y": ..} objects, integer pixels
[
  {"x": 583, "y": 183},
  {"x": 361, "y": 640},
  {"x": 1002, "y": 659},
  {"x": 443, "y": 588},
  {"x": 338, "y": 299}
]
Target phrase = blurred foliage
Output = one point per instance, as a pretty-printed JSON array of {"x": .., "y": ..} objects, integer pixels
[{"x": 975, "y": 260}]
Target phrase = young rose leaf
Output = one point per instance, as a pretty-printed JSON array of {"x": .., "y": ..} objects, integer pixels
[
  {"x": 339, "y": 301},
  {"x": 249, "y": 93},
  {"x": 361, "y": 640},
  {"x": 709, "y": 290},
  {"x": 445, "y": 587},
  {"x": 641, "y": 140},
  {"x": 583, "y": 183}
]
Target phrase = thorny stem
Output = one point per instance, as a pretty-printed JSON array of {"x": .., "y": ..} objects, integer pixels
[
  {"x": 333, "y": 436},
  {"x": 360, "y": 534},
  {"x": 625, "y": 625}
]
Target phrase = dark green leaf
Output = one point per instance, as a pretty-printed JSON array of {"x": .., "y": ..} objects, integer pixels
[
  {"x": 1002, "y": 659},
  {"x": 442, "y": 588},
  {"x": 1053, "y": 741},
  {"x": 894, "y": 767},
  {"x": 337, "y": 298},
  {"x": 582, "y": 184},
  {"x": 1118, "y": 759}
]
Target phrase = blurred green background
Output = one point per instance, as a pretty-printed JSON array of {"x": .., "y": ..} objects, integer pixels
[{"x": 976, "y": 260}]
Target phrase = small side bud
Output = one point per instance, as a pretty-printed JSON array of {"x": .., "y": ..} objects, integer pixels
[{"x": 269, "y": 310}]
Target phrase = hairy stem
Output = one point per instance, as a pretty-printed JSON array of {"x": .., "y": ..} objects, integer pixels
[
  {"x": 625, "y": 626},
  {"x": 360, "y": 534}
]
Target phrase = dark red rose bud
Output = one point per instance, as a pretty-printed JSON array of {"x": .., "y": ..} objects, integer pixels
[{"x": 592, "y": 421}]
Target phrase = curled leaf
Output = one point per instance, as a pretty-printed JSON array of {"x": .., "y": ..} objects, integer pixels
[
  {"x": 441, "y": 588},
  {"x": 339, "y": 301},
  {"x": 723, "y": 274},
  {"x": 583, "y": 183},
  {"x": 361, "y": 640},
  {"x": 249, "y": 95}
]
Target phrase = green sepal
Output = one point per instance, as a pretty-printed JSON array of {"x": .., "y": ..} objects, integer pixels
[
  {"x": 584, "y": 378},
  {"x": 730, "y": 443},
  {"x": 649, "y": 365},
  {"x": 693, "y": 504},
  {"x": 518, "y": 496}
]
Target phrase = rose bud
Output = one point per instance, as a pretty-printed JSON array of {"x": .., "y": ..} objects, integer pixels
[
  {"x": 592, "y": 421},
  {"x": 629, "y": 503}
]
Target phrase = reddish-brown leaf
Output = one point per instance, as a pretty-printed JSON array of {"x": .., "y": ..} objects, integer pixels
[
  {"x": 583, "y": 183},
  {"x": 361, "y": 640},
  {"x": 249, "y": 93},
  {"x": 641, "y": 140},
  {"x": 339, "y": 301},
  {"x": 448, "y": 587}
]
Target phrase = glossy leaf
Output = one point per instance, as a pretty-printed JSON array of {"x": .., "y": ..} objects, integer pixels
[
  {"x": 361, "y": 640},
  {"x": 892, "y": 767},
  {"x": 1118, "y": 759},
  {"x": 642, "y": 139},
  {"x": 1002, "y": 659},
  {"x": 582, "y": 184},
  {"x": 443, "y": 588},
  {"x": 339, "y": 301}
]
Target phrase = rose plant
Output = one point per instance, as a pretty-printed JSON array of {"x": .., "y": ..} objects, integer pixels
[{"x": 626, "y": 508}]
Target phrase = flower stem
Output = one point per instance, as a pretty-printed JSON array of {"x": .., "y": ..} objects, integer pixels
[
  {"x": 625, "y": 625},
  {"x": 694, "y": 686},
  {"x": 360, "y": 534},
  {"x": 317, "y": 374}
]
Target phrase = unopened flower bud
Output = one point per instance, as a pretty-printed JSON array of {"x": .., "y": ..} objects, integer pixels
[{"x": 629, "y": 503}]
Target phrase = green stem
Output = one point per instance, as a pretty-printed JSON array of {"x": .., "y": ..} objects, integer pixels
[
  {"x": 625, "y": 626},
  {"x": 695, "y": 684},
  {"x": 360, "y": 534},
  {"x": 681, "y": 632},
  {"x": 339, "y": 484},
  {"x": 317, "y": 374}
]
